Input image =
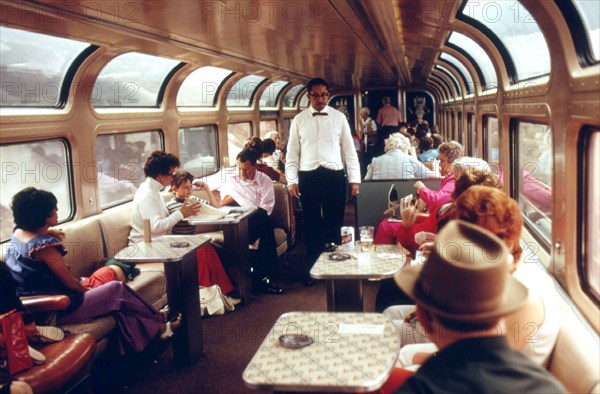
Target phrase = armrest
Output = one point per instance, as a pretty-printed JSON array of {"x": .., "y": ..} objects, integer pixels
[{"x": 46, "y": 303}]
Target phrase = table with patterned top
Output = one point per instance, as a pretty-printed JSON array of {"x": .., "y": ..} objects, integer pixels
[
  {"x": 235, "y": 242},
  {"x": 344, "y": 278},
  {"x": 178, "y": 254},
  {"x": 351, "y": 352}
]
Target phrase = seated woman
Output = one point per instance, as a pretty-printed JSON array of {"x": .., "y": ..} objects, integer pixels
[
  {"x": 474, "y": 172},
  {"x": 467, "y": 176},
  {"x": 449, "y": 152},
  {"x": 494, "y": 210},
  {"x": 396, "y": 163},
  {"x": 210, "y": 268},
  {"x": 256, "y": 145},
  {"x": 428, "y": 152},
  {"x": 35, "y": 260}
]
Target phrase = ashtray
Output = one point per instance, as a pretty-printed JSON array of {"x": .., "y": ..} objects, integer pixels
[
  {"x": 179, "y": 244},
  {"x": 295, "y": 341},
  {"x": 339, "y": 256}
]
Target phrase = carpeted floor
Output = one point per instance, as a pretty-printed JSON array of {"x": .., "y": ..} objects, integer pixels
[{"x": 230, "y": 340}]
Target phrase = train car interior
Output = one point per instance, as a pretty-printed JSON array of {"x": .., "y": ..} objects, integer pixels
[{"x": 91, "y": 88}]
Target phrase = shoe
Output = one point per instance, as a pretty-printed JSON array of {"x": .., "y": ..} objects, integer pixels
[
  {"x": 268, "y": 287},
  {"x": 170, "y": 327},
  {"x": 165, "y": 312},
  {"x": 233, "y": 301},
  {"x": 46, "y": 334},
  {"x": 37, "y": 357}
]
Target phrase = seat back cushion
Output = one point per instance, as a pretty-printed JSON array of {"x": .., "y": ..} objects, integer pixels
[
  {"x": 281, "y": 215},
  {"x": 575, "y": 360},
  {"x": 115, "y": 229},
  {"x": 84, "y": 245}
]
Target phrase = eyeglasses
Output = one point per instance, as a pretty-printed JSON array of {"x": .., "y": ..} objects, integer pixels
[{"x": 321, "y": 95}]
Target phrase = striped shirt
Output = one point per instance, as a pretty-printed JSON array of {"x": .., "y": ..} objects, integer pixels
[{"x": 182, "y": 227}]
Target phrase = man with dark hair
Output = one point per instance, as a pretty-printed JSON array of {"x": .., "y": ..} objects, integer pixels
[
  {"x": 320, "y": 146},
  {"x": 149, "y": 204},
  {"x": 462, "y": 293},
  {"x": 251, "y": 187}
]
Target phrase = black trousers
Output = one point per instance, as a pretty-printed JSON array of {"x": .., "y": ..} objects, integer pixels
[
  {"x": 323, "y": 197},
  {"x": 261, "y": 226}
]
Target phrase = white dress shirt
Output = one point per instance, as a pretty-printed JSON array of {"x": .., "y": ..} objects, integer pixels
[
  {"x": 149, "y": 204},
  {"x": 319, "y": 140},
  {"x": 258, "y": 191}
]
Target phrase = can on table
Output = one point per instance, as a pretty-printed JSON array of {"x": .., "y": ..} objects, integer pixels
[{"x": 347, "y": 236}]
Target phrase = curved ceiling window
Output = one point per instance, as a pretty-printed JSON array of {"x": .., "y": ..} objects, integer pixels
[
  {"x": 461, "y": 69},
  {"x": 242, "y": 91},
  {"x": 511, "y": 24},
  {"x": 132, "y": 80},
  {"x": 472, "y": 50},
  {"x": 291, "y": 96},
  {"x": 268, "y": 98},
  {"x": 590, "y": 13},
  {"x": 33, "y": 67},
  {"x": 304, "y": 103},
  {"x": 449, "y": 74},
  {"x": 201, "y": 87}
]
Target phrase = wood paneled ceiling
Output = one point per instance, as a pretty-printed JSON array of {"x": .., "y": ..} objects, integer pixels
[{"x": 354, "y": 44}]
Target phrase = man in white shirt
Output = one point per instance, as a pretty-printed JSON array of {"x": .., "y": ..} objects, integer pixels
[
  {"x": 248, "y": 186},
  {"x": 320, "y": 145},
  {"x": 149, "y": 204}
]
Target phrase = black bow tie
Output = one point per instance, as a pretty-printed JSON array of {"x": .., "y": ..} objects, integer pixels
[{"x": 319, "y": 113}]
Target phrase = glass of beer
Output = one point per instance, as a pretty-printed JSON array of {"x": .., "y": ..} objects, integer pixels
[{"x": 366, "y": 237}]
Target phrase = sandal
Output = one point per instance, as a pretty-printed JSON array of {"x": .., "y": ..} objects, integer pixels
[
  {"x": 37, "y": 357},
  {"x": 165, "y": 312},
  {"x": 170, "y": 326},
  {"x": 46, "y": 334}
]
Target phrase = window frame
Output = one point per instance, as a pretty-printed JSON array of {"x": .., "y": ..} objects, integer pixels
[
  {"x": 579, "y": 33},
  {"x": 509, "y": 63},
  {"x": 161, "y": 136},
  {"x": 69, "y": 168},
  {"x": 516, "y": 174},
  {"x": 216, "y": 96},
  {"x": 583, "y": 227}
]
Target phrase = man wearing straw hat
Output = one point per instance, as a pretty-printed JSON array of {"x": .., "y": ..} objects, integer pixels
[{"x": 462, "y": 292}]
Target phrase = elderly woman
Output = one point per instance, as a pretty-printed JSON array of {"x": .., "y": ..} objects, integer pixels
[
  {"x": 448, "y": 153},
  {"x": 396, "y": 163},
  {"x": 35, "y": 260}
]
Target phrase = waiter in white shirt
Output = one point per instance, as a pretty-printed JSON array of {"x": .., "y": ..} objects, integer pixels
[{"x": 319, "y": 147}]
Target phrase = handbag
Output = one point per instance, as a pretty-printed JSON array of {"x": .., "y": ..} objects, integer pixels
[
  {"x": 213, "y": 301},
  {"x": 393, "y": 208},
  {"x": 14, "y": 348}
]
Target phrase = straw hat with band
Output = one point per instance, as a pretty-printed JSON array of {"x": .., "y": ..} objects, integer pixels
[{"x": 465, "y": 278}]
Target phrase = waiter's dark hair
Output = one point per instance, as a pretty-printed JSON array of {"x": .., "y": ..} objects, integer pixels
[{"x": 315, "y": 82}]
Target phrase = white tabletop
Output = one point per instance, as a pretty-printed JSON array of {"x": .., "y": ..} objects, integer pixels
[
  {"x": 352, "y": 352},
  {"x": 383, "y": 262},
  {"x": 232, "y": 218},
  {"x": 162, "y": 249}
]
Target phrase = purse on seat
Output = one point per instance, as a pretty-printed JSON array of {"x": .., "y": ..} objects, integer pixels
[{"x": 393, "y": 203}]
